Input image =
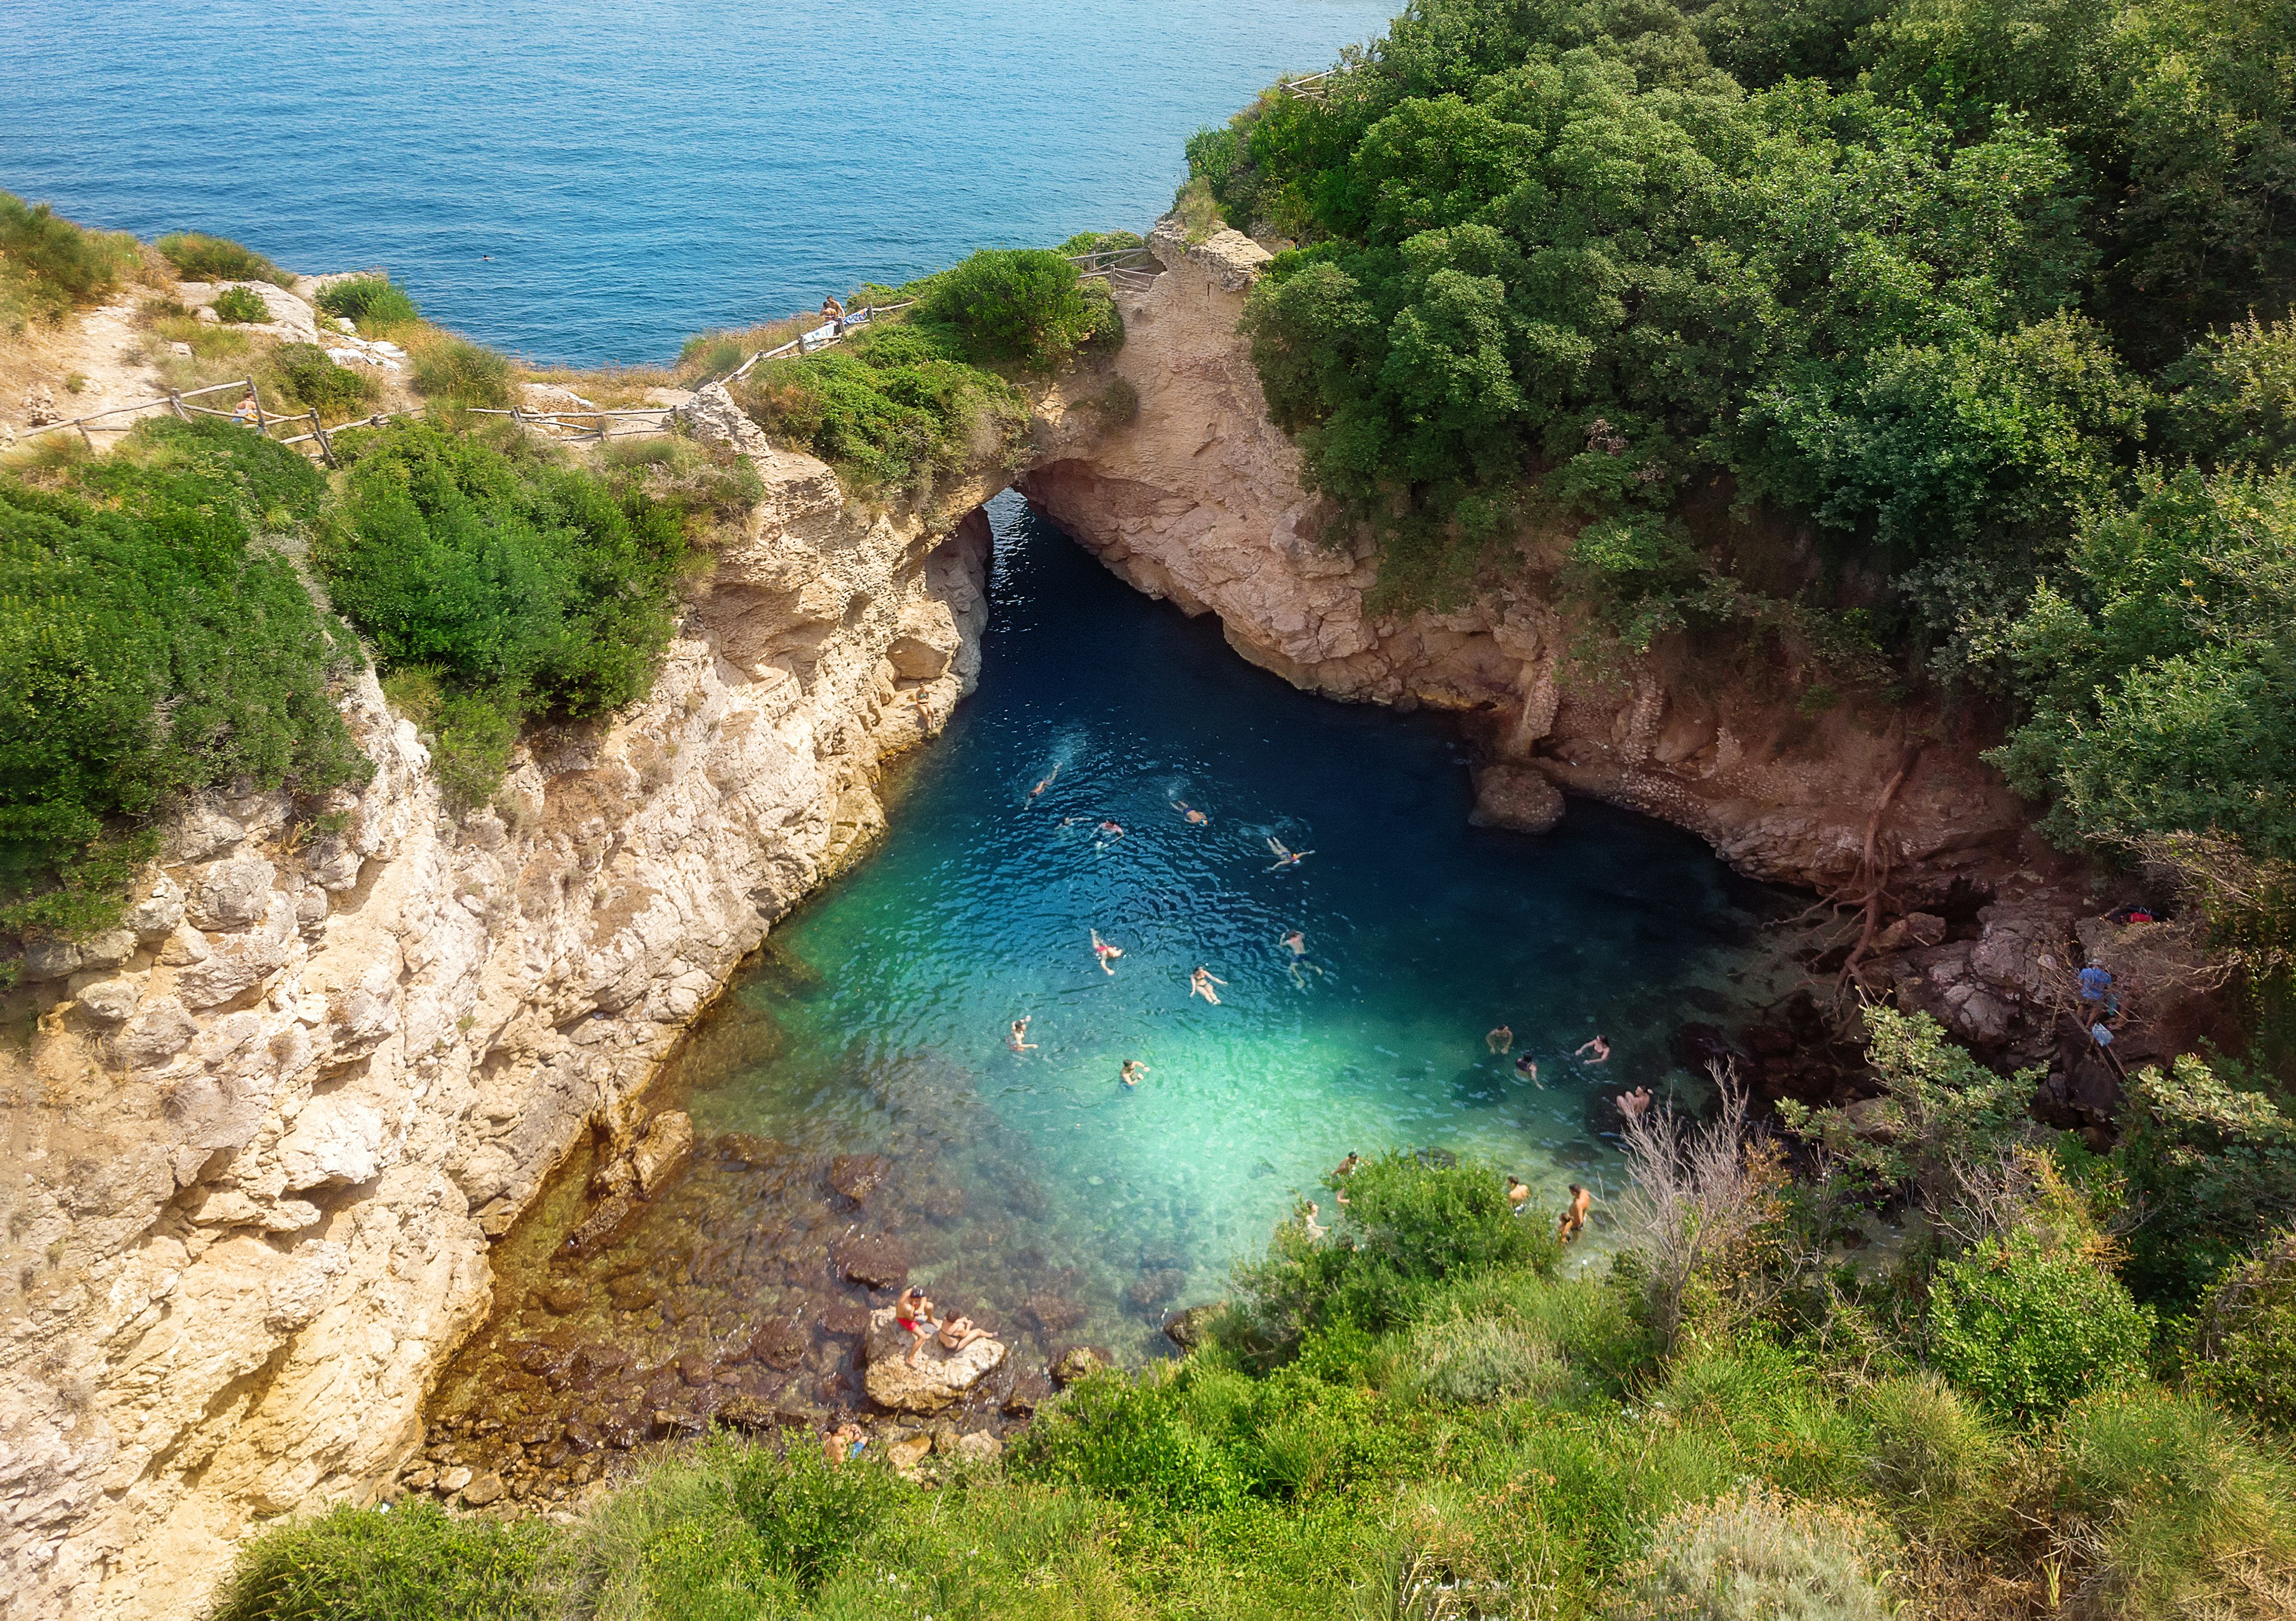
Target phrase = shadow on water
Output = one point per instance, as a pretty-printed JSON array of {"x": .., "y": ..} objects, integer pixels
[{"x": 864, "y": 1121}]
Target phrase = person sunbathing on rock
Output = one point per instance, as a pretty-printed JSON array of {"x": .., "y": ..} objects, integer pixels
[
  {"x": 913, "y": 1315},
  {"x": 958, "y": 1333},
  {"x": 1633, "y": 1105}
]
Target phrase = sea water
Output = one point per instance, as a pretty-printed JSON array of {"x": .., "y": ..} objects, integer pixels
[{"x": 589, "y": 181}]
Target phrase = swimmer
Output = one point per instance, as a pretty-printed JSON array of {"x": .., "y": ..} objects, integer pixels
[
  {"x": 1020, "y": 1043},
  {"x": 1132, "y": 1071},
  {"x": 1633, "y": 1105},
  {"x": 843, "y": 1444},
  {"x": 913, "y": 1315},
  {"x": 1600, "y": 1048},
  {"x": 1501, "y": 1040},
  {"x": 1201, "y": 983},
  {"x": 1046, "y": 783},
  {"x": 1527, "y": 1066},
  {"x": 958, "y": 1333},
  {"x": 1297, "y": 941},
  {"x": 1347, "y": 1167},
  {"x": 1574, "y": 1219},
  {"x": 1111, "y": 830},
  {"x": 1104, "y": 951},
  {"x": 1316, "y": 1229},
  {"x": 1190, "y": 812},
  {"x": 1518, "y": 1194},
  {"x": 1284, "y": 857}
]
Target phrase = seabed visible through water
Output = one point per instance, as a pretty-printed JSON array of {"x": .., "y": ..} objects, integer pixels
[{"x": 1033, "y": 1191}]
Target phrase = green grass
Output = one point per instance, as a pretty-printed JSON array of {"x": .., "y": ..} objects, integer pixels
[
  {"x": 50, "y": 267},
  {"x": 372, "y": 303},
  {"x": 216, "y": 259}
]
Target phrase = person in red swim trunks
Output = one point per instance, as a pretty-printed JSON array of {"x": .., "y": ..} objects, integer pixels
[{"x": 913, "y": 1315}]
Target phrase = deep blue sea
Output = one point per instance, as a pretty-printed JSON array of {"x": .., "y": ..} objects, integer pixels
[{"x": 589, "y": 181}]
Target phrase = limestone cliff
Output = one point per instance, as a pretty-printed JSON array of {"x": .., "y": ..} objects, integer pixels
[
  {"x": 258, "y": 1143},
  {"x": 1197, "y": 498}
]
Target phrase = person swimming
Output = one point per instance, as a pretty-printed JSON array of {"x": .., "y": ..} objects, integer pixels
[
  {"x": 1500, "y": 1040},
  {"x": 1600, "y": 1048},
  {"x": 1190, "y": 812},
  {"x": 1284, "y": 857},
  {"x": 1298, "y": 941},
  {"x": 1201, "y": 983},
  {"x": 1104, "y": 951},
  {"x": 1132, "y": 1071},
  {"x": 1527, "y": 1066},
  {"x": 1046, "y": 783},
  {"x": 1020, "y": 1042},
  {"x": 1109, "y": 831},
  {"x": 1518, "y": 1195},
  {"x": 1574, "y": 1219},
  {"x": 1314, "y": 1229}
]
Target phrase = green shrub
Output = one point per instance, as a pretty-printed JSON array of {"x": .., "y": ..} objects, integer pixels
[
  {"x": 240, "y": 303},
  {"x": 1411, "y": 1221},
  {"x": 1131, "y": 1441},
  {"x": 2235, "y": 395},
  {"x": 2187, "y": 1510},
  {"x": 1936, "y": 1464},
  {"x": 522, "y": 588},
  {"x": 408, "y": 1562},
  {"x": 457, "y": 372},
  {"x": 307, "y": 377},
  {"x": 2027, "y": 1332},
  {"x": 50, "y": 267},
  {"x": 2209, "y": 1157},
  {"x": 1119, "y": 402},
  {"x": 147, "y": 649},
  {"x": 1479, "y": 1362},
  {"x": 373, "y": 303},
  {"x": 1020, "y": 306},
  {"x": 1752, "y": 1556},
  {"x": 216, "y": 259},
  {"x": 2244, "y": 1337},
  {"x": 893, "y": 412}
]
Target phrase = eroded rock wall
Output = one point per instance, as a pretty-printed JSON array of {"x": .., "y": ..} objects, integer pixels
[
  {"x": 1198, "y": 499},
  {"x": 258, "y": 1144}
]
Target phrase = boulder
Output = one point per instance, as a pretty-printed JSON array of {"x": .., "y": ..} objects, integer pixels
[
  {"x": 979, "y": 1447},
  {"x": 161, "y": 1029},
  {"x": 1187, "y": 1328},
  {"x": 1518, "y": 797},
  {"x": 1076, "y": 1362},
  {"x": 936, "y": 1379},
  {"x": 907, "y": 1452},
  {"x": 106, "y": 998},
  {"x": 854, "y": 1175},
  {"x": 231, "y": 894},
  {"x": 880, "y": 1262},
  {"x": 661, "y": 1148},
  {"x": 338, "y": 1141},
  {"x": 154, "y": 917}
]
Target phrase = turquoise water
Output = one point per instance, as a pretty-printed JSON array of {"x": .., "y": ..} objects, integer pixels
[
  {"x": 890, "y": 996},
  {"x": 588, "y": 182}
]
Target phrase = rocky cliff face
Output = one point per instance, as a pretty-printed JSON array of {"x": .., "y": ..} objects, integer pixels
[
  {"x": 258, "y": 1141},
  {"x": 1198, "y": 499}
]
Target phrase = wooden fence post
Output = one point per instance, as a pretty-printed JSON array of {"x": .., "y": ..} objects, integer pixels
[
  {"x": 261, "y": 426},
  {"x": 176, "y": 401},
  {"x": 318, "y": 433}
]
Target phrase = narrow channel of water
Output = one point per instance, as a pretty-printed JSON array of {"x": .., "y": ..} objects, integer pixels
[{"x": 1034, "y": 1190}]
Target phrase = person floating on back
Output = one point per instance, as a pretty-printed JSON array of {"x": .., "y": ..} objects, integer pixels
[
  {"x": 1201, "y": 983},
  {"x": 1284, "y": 857}
]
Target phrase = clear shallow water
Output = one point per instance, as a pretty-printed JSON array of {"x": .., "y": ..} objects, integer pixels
[
  {"x": 1033, "y": 1191},
  {"x": 638, "y": 170}
]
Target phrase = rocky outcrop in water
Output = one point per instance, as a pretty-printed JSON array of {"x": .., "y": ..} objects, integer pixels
[
  {"x": 260, "y": 1140},
  {"x": 1197, "y": 498}
]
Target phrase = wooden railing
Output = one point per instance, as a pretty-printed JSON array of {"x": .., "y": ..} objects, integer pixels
[
  {"x": 1314, "y": 87},
  {"x": 818, "y": 338},
  {"x": 1133, "y": 269}
]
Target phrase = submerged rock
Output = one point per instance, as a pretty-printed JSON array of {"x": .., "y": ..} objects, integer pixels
[
  {"x": 1519, "y": 797},
  {"x": 856, "y": 1175},
  {"x": 880, "y": 1262},
  {"x": 936, "y": 1379}
]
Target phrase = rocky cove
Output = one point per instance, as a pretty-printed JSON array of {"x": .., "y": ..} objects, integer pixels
[{"x": 275, "y": 1147}]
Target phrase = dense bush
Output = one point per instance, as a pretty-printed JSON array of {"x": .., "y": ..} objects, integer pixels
[
  {"x": 1409, "y": 1222},
  {"x": 410, "y": 1564},
  {"x": 894, "y": 411},
  {"x": 455, "y": 371},
  {"x": 2211, "y": 1161},
  {"x": 1753, "y": 1556},
  {"x": 1022, "y": 307},
  {"x": 2027, "y": 1331},
  {"x": 216, "y": 259},
  {"x": 50, "y": 267},
  {"x": 375, "y": 303},
  {"x": 307, "y": 377},
  {"x": 524, "y": 588},
  {"x": 1476, "y": 1362},
  {"x": 2244, "y": 1337},
  {"x": 148, "y": 648},
  {"x": 1935, "y": 1459},
  {"x": 240, "y": 303}
]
